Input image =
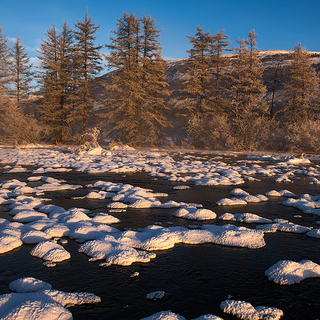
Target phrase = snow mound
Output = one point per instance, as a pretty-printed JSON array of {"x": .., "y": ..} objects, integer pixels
[
  {"x": 195, "y": 214},
  {"x": 104, "y": 218},
  {"x": 117, "y": 205},
  {"x": 9, "y": 242},
  {"x": 42, "y": 303},
  {"x": 289, "y": 272},
  {"x": 35, "y": 236},
  {"x": 281, "y": 193},
  {"x": 284, "y": 226},
  {"x": 231, "y": 202},
  {"x": 114, "y": 253},
  {"x": 182, "y": 187},
  {"x": 156, "y": 295},
  {"x": 244, "y": 310},
  {"x": 238, "y": 192},
  {"x": 168, "y": 315},
  {"x": 244, "y": 217},
  {"x": 315, "y": 233},
  {"x": 29, "y": 284},
  {"x": 164, "y": 315},
  {"x": 208, "y": 317},
  {"x": 50, "y": 251}
]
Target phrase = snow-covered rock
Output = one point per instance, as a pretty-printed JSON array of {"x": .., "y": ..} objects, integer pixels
[
  {"x": 245, "y": 310},
  {"x": 289, "y": 272}
]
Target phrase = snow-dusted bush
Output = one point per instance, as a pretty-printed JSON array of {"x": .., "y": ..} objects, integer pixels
[
  {"x": 18, "y": 128},
  {"x": 303, "y": 136},
  {"x": 89, "y": 140}
]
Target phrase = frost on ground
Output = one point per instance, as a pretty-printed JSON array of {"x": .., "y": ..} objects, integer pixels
[
  {"x": 289, "y": 272},
  {"x": 34, "y": 299},
  {"x": 244, "y": 310}
]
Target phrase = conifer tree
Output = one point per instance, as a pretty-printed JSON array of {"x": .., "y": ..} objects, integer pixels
[
  {"x": 88, "y": 60},
  {"x": 302, "y": 89},
  {"x": 136, "y": 111},
  {"x": 124, "y": 58},
  {"x": 154, "y": 84},
  {"x": 48, "y": 80},
  {"x": 56, "y": 59},
  {"x": 196, "y": 87},
  {"x": 247, "y": 89},
  {"x": 5, "y": 63},
  {"x": 21, "y": 70},
  {"x": 220, "y": 69}
]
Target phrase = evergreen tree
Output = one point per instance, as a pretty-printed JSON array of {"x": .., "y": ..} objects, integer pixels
[
  {"x": 88, "y": 60},
  {"x": 248, "y": 89},
  {"x": 136, "y": 111},
  {"x": 301, "y": 90},
  {"x": 196, "y": 87},
  {"x": 21, "y": 70}
]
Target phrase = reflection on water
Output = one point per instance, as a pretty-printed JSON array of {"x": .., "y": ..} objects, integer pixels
[{"x": 196, "y": 278}]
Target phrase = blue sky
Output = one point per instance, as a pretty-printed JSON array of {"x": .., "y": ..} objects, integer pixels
[{"x": 279, "y": 24}]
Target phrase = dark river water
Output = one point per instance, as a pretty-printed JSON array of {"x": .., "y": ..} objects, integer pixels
[{"x": 195, "y": 278}]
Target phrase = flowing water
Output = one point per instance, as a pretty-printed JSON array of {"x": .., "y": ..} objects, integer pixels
[{"x": 195, "y": 278}]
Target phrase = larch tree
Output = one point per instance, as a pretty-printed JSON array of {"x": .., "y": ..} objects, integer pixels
[
  {"x": 5, "y": 62},
  {"x": 154, "y": 84},
  {"x": 302, "y": 88},
  {"x": 248, "y": 90},
  {"x": 88, "y": 61},
  {"x": 135, "y": 110},
  {"x": 125, "y": 91},
  {"x": 220, "y": 72},
  {"x": 49, "y": 83},
  {"x": 56, "y": 56},
  {"x": 21, "y": 70},
  {"x": 194, "y": 100}
]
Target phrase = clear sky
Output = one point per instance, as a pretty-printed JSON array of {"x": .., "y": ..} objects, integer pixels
[{"x": 280, "y": 24}]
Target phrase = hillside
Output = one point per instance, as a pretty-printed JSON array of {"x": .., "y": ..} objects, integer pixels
[{"x": 275, "y": 63}]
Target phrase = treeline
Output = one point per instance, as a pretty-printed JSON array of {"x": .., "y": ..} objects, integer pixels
[{"x": 222, "y": 100}]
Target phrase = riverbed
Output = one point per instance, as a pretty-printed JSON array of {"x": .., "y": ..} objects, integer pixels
[{"x": 195, "y": 278}]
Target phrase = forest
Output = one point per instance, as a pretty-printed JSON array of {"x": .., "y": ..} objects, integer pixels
[{"x": 223, "y": 97}]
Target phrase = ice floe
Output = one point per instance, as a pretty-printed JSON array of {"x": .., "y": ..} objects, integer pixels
[
  {"x": 287, "y": 272},
  {"x": 245, "y": 310}
]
